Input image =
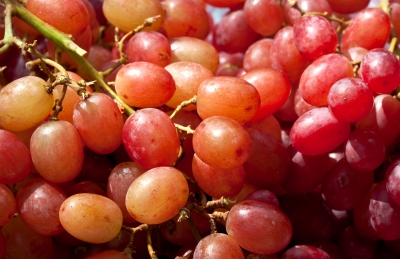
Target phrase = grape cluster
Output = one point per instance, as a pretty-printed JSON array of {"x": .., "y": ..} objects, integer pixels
[{"x": 150, "y": 129}]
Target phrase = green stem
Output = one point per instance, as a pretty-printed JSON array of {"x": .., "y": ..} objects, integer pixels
[{"x": 61, "y": 41}]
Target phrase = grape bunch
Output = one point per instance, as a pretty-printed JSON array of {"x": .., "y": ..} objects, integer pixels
[{"x": 257, "y": 129}]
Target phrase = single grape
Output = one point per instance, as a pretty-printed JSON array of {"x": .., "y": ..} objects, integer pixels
[
  {"x": 217, "y": 245},
  {"x": 99, "y": 109},
  {"x": 157, "y": 195},
  {"x": 194, "y": 50},
  {"x": 358, "y": 33},
  {"x": 8, "y": 205},
  {"x": 127, "y": 15},
  {"x": 380, "y": 71},
  {"x": 144, "y": 84},
  {"x": 90, "y": 217},
  {"x": 15, "y": 158},
  {"x": 392, "y": 178},
  {"x": 259, "y": 227},
  {"x": 38, "y": 203},
  {"x": 231, "y": 97},
  {"x": 343, "y": 6},
  {"x": 317, "y": 132},
  {"x": 222, "y": 142},
  {"x": 225, "y": 182},
  {"x": 305, "y": 251},
  {"x": 57, "y": 151},
  {"x": 22, "y": 111},
  {"x": 350, "y": 99},
  {"x": 258, "y": 55},
  {"x": 150, "y": 138}
]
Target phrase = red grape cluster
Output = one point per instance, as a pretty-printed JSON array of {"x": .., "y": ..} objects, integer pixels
[{"x": 145, "y": 129}]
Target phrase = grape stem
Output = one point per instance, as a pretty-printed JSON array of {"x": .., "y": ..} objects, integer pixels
[
  {"x": 184, "y": 214},
  {"x": 152, "y": 253},
  {"x": 192, "y": 100},
  {"x": 120, "y": 43}
]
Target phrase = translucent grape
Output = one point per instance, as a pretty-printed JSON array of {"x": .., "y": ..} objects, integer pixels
[
  {"x": 127, "y": 15},
  {"x": 57, "y": 151},
  {"x": 221, "y": 142},
  {"x": 226, "y": 96},
  {"x": 90, "y": 217},
  {"x": 157, "y": 195},
  {"x": 144, "y": 84},
  {"x": 258, "y": 55},
  {"x": 22, "y": 111},
  {"x": 144, "y": 142},
  {"x": 350, "y": 99}
]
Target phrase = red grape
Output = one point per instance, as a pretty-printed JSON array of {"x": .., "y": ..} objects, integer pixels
[
  {"x": 217, "y": 245},
  {"x": 8, "y": 205}
]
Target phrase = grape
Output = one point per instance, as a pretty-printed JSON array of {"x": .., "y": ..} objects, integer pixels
[
  {"x": 285, "y": 56},
  {"x": 57, "y": 147},
  {"x": 292, "y": 15},
  {"x": 383, "y": 119},
  {"x": 225, "y": 182},
  {"x": 358, "y": 33},
  {"x": 157, "y": 195},
  {"x": 93, "y": 21},
  {"x": 128, "y": 14},
  {"x": 221, "y": 142},
  {"x": 217, "y": 245},
  {"x": 314, "y": 37},
  {"x": 233, "y": 34},
  {"x": 258, "y": 55},
  {"x": 274, "y": 89},
  {"x": 343, "y": 6},
  {"x": 187, "y": 76},
  {"x": 265, "y": 17},
  {"x": 90, "y": 217},
  {"x": 194, "y": 50},
  {"x": 317, "y": 132},
  {"x": 38, "y": 203},
  {"x": 226, "y": 96},
  {"x": 350, "y": 100},
  {"x": 384, "y": 212},
  {"x": 120, "y": 179},
  {"x": 144, "y": 84},
  {"x": 15, "y": 158},
  {"x": 22, "y": 111},
  {"x": 318, "y": 78},
  {"x": 355, "y": 54},
  {"x": 287, "y": 112},
  {"x": 305, "y": 251},
  {"x": 8, "y": 205},
  {"x": 99, "y": 108},
  {"x": 72, "y": 18},
  {"x": 268, "y": 164},
  {"x": 344, "y": 186},
  {"x": 258, "y": 227},
  {"x": 365, "y": 150},
  {"x": 185, "y": 18},
  {"x": 144, "y": 142},
  {"x": 23, "y": 242},
  {"x": 362, "y": 219},
  {"x": 392, "y": 181},
  {"x": 149, "y": 46},
  {"x": 380, "y": 70}
]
